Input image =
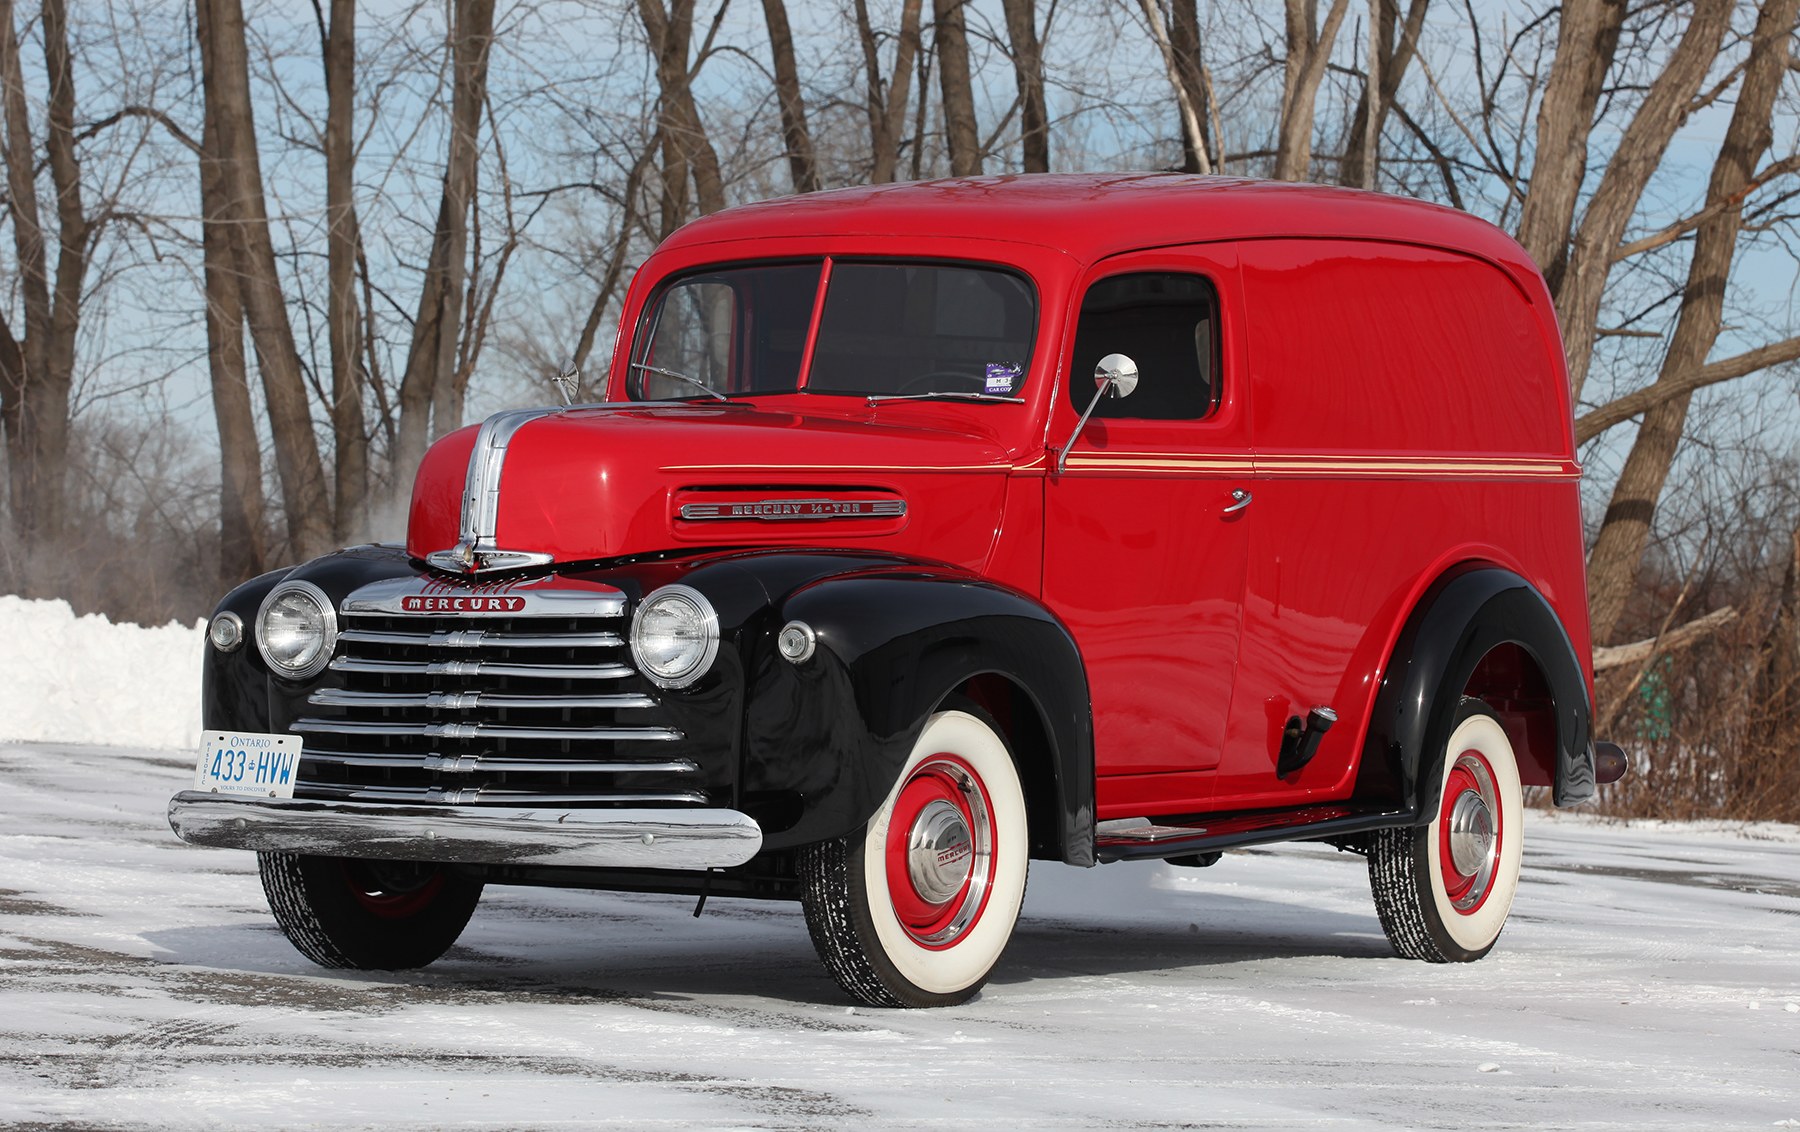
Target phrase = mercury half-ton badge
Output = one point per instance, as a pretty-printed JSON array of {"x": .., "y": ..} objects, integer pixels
[{"x": 784, "y": 509}]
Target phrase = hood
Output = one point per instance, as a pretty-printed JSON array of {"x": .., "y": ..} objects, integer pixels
[{"x": 569, "y": 485}]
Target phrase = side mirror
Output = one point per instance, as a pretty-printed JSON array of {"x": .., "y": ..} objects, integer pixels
[
  {"x": 1116, "y": 370},
  {"x": 1116, "y": 374}
]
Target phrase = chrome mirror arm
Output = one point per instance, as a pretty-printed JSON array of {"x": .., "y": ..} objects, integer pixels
[
  {"x": 1062, "y": 454},
  {"x": 1116, "y": 373}
]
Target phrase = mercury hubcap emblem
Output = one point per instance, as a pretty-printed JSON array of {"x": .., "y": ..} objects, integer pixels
[
  {"x": 1471, "y": 833},
  {"x": 939, "y": 852}
]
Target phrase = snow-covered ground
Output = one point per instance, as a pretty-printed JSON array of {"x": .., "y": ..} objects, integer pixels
[{"x": 1650, "y": 977}]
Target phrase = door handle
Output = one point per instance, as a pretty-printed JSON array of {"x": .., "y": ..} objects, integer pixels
[{"x": 1240, "y": 499}]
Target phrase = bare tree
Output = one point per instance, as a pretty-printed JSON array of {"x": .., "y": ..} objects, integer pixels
[
  {"x": 1587, "y": 39},
  {"x": 350, "y": 448},
  {"x": 951, "y": 35},
  {"x": 1618, "y": 550},
  {"x": 887, "y": 100},
  {"x": 242, "y": 550},
  {"x": 1028, "y": 69},
  {"x": 1589, "y": 258},
  {"x": 1308, "y": 52},
  {"x": 305, "y": 503},
  {"x": 36, "y": 373},
  {"x": 427, "y": 388},
  {"x": 803, "y": 164},
  {"x": 1391, "y": 50},
  {"x": 1178, "y": 39},
  {"x": 687, "y": 151}
]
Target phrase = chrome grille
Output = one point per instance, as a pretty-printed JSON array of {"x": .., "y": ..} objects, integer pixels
[{"x": 507, "y": 693}]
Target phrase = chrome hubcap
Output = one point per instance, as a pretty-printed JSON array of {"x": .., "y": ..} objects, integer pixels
[
  {"x": 939, "y": 852},
  {"x": 1471, "y": 833}
]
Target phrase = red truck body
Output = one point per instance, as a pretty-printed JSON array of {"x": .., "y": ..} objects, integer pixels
[{"x": 1336, "y": 517}]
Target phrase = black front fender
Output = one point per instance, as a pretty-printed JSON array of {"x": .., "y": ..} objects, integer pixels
[{"x": 893, "y": 641}]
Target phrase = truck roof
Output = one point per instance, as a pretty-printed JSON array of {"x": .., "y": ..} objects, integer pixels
[{"x": 1094, "y": 215}]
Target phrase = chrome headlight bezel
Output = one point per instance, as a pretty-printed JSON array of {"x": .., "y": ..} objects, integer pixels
[
  {"x": 327, "y": 630},
  {"x": 699, "y": 661},
  {"x": 225, "y": 632}
]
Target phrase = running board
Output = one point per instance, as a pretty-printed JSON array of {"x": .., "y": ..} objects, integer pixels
[{"x": 1130, "y": 839}]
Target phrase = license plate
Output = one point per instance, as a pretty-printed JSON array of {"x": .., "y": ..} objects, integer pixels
[{"x": 247, "y": 762}]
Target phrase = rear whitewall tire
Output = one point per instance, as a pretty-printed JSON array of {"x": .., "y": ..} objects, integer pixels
[
  {"x": 1431, "y": 908},
  {"x": 936, "y": 948}
]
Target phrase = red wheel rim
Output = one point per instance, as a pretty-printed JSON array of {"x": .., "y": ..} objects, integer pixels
[
  {"x": 1471, "y": 832},
  {"x": 939, "y": 852},
  {"x": 393, "y": 890}
]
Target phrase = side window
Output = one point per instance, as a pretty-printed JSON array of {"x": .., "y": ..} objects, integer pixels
[{"x": 1166, "y": 322}]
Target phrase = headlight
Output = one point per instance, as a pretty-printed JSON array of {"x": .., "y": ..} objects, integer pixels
[
  {"x": 675, "y": 636},
  {"x": 296, "y": 629}
]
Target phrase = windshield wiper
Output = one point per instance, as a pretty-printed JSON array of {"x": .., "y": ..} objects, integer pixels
[
  {"x": 944, "y": 395},
  {"x": 696, "y": 383}
]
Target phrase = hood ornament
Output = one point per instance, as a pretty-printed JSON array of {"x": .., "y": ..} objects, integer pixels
[{"x": 568, "y": 383}]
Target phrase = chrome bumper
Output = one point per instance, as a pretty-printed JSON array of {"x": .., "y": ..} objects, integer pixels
[{"x": 488, "y": 835}]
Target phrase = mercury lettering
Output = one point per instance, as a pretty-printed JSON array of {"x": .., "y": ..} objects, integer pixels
[{"x": 452, "y": 604}]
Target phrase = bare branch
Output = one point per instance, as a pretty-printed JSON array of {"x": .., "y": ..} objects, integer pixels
[{"x": 1592, "y": 424}]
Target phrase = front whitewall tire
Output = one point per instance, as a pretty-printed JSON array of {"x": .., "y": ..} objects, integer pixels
[{"x": 901, "y": 948}]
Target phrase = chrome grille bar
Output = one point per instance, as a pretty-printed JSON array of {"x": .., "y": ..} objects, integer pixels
[
  {"x": 464, "y": 732},
  {"x": 471, "y": 701},
  {"x": 437, "y": 795},
  {"x": 481, "y": 638},
  {"x": 471, "y": 764},
  {"x": 480, "y": 668}
]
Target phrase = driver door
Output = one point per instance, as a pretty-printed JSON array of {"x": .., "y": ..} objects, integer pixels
[{"x": 1145, "y": 542}]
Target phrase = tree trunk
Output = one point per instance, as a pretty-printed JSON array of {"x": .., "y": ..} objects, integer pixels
[
  {"x": 1185, "y": 76},
  {"x": 687, "y": 151},
  {"x": 1307, "y": 55},
  {"x": 803, "y": 165},
  {"x": 426, "y": 386},
  {"x": 1028, "y": 69},
  {"x": 1618, "y": 551},
  {"x": 350, "y": 445},
  {"x": 242, "y": 554},
  {"x": 227, "y": 85},
  {"x": 1588, "y": 262},
  {"x": 1190, "y": 75},
  {"x": 1585, "y": 42},
  {"x": 1392, "y": 52},
  {"x": 40, "y": 370},
  {"x": 1778, "y": 681},
  {"x": 25, "y": 392},
  {"x": 888, "y": 102},
  {"x": 960, "y": 131}
]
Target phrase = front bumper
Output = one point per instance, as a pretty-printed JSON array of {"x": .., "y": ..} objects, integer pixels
[{"x": 583, "y": 838}]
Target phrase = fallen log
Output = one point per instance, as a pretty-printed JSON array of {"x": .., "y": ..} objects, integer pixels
[{"x": 1618, "y": 656}]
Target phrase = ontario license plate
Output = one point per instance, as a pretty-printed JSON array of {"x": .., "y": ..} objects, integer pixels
[{"x": 247, "y": 762}]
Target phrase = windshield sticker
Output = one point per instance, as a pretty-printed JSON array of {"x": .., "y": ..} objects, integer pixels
[{"x": 1002, "y": 376}]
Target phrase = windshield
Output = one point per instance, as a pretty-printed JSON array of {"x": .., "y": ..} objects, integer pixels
[{"x": 884, "y": 329}]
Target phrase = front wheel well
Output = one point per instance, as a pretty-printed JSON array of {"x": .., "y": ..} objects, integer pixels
[{"x": 1022, "y": 724}]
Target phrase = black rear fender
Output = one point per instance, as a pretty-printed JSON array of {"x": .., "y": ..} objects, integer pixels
[{"x": 1477, "y": 613}]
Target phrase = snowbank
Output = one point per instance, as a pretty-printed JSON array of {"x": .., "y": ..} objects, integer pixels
[{"x": 86, "y": 680}]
